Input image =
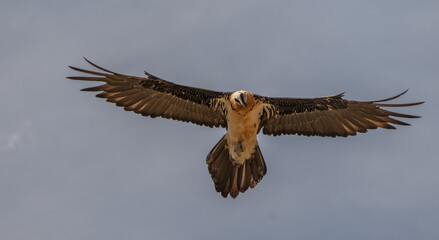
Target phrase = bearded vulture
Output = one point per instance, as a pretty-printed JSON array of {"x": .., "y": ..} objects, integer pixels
[{"x": 235, "y": 163}]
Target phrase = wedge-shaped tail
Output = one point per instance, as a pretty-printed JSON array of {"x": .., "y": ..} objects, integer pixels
[{"x": 230, "y": 178}]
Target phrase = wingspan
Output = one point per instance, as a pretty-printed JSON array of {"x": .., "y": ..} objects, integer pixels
[
  {"x": 155, "y": 97},
  {"x": 328, "y": 116}
]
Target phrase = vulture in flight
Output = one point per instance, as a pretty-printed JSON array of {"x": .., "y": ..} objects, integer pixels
[{"x": 235, "y": 163}]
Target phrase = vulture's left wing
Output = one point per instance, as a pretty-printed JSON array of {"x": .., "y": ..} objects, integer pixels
[
  {"x": 155, "y": 97},
  {"x": 328, "y": 116}
]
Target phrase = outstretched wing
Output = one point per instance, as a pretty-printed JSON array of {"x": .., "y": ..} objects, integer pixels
[
  {"x": 155, "y": 97},
  {"x": 328, "y": 116}
]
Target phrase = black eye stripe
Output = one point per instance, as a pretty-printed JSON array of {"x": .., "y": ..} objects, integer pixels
[{"x": 242, "y": 96}]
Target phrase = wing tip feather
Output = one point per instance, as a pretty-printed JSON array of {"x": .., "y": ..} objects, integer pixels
[
  {"x": 391, "y": 98},
  {"x": 98, "y": 67}
]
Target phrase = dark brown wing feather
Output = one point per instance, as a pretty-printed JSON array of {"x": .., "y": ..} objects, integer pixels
[
  {"x": 155, "y": 97},
  {"x": 328, "y": 116}
]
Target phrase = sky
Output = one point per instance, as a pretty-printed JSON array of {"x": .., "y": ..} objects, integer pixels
[{"x": 73, "y": 166}]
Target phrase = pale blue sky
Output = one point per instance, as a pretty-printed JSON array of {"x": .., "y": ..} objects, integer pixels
[{"x": 76, "y": 167}]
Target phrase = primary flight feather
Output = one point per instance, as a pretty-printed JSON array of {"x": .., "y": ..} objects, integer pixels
[{"x": 235, "y": 163}]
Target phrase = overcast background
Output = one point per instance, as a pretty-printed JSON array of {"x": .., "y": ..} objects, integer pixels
[{"x": 76, "y": 167}]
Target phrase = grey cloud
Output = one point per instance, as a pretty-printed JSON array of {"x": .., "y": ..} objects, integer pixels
[{"x": 92, "y": 171}]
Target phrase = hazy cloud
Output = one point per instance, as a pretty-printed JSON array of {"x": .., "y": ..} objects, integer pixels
[{"x": 14, "y": 138}]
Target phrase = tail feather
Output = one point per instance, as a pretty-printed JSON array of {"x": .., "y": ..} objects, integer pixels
[
  {"x": 215, "y": 151},
  {"x": 260, "y": 161},
  {"x": 234, "y": 190},
  {"x": 223, "y": 172},
  {"x": 232, "y": 178},
  {"x": 245, "y": 177},
  {"x": 258, "y": 168}
]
